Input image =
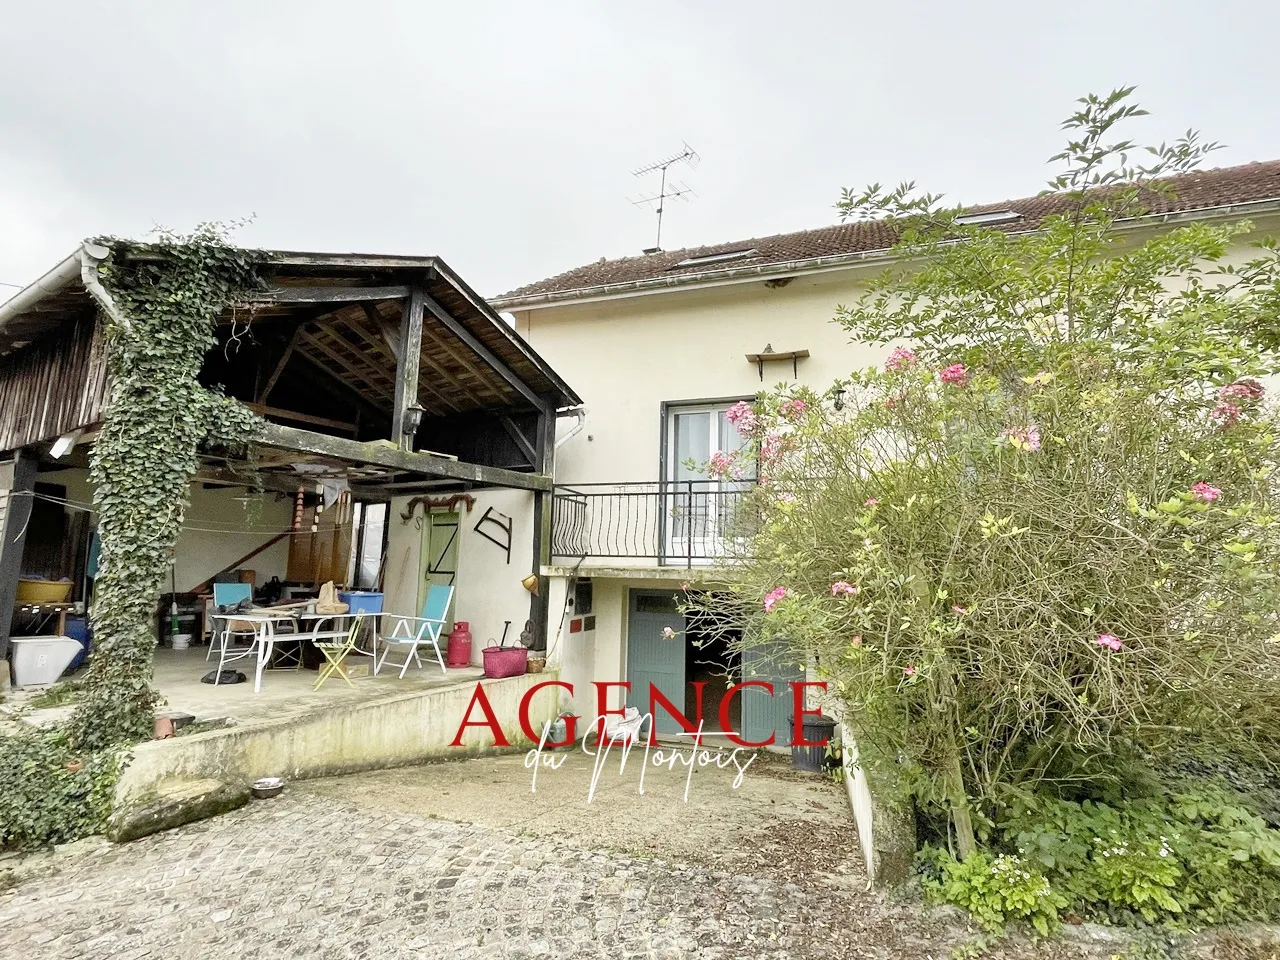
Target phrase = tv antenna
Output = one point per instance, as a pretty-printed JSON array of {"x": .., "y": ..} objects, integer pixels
[{"x": 674, "y": 191}]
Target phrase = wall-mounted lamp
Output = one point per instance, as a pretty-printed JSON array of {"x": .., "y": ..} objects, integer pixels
[
  {"x": 412, "y": 419},
  {"x": 838, "y": 402},
  {"x": 530, "y": 583}
]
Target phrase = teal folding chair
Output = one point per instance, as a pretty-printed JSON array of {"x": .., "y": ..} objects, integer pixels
[
  {"x": 228, "y": 595},
  {"x": 415, "y": 631}
]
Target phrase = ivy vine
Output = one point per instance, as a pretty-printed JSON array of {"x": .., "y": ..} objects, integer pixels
[{"x": 169, "y": 293}]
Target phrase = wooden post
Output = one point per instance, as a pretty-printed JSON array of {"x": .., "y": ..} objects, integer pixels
[
  {"x": 544, "y": 463},
  {"x": 20, "y": 475},
  {"x": 407, "y": 365}
]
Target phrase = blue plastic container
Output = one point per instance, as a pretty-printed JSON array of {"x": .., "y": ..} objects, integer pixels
[
  {"x": 78, "y": 629},
  {"x": 361, "y": 601}
]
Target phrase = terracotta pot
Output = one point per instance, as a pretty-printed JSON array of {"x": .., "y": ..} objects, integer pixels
[{"x": 162, "y": 729}]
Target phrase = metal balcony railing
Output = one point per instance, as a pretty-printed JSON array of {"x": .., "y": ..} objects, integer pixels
[{"x": 676, "y": 523}]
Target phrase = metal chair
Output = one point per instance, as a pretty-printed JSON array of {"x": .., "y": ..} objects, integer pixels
[
  {"x": 336, "y": 650},
  {"x": 228, "y": 595},
  {"x": 413, "y": 631}
]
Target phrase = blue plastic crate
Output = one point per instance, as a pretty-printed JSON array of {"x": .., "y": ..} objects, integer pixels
[{"x": 361, "y": 601}]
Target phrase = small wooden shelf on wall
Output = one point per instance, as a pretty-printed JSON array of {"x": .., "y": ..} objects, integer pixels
[{"x": 768, "y": 355}]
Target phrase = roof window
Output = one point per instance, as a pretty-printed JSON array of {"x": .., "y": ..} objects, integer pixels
[
  {"x": 995, "y": 216},
  {"x": 716, "y": 258}
]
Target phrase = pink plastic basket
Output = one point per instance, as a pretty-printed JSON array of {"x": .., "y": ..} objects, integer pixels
[{"x": 505, "y": 661}]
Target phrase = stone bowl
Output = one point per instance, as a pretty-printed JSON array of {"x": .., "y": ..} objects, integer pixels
[{"x": 267, "y": 787}]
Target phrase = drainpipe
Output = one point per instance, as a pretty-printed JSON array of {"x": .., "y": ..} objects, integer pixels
[
  {"x": 92, "y": 254},
  {"x": 581, "y": 414}
]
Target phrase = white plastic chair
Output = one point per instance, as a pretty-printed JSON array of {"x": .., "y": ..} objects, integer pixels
[{"x": 414, "y": 631}]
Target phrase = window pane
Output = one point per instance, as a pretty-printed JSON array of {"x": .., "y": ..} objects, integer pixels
[
  {"x": 693, "y": 442},
  {"x": 731, "y": 441},
  {"x": 375, "y": 518}
]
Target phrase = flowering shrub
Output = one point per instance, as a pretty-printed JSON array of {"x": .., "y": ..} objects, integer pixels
[
  {"x": 1069, "y": 563},
  {"x": 994, "y": 888}
]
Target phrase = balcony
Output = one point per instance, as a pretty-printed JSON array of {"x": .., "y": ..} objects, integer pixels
[{"x": 679, "y": 523}]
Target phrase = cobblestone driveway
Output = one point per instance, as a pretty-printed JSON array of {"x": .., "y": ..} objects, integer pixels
[{"x": 302, "y": 876}]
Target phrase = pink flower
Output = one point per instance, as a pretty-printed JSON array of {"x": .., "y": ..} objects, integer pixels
[
  {"x": 1110, "y": 641},
  {"x": 900, "y": 358},
  {"x": 1227, "y": 412},
  {"x": 871, "y": 502},
  {"x": 794, "y": 409},
  {"x": 1205, "y": 492},
  {"x": 771, "y": 449},
  {"x": 908, "y": 671},
  {"x": 725, "y": 465},
  {"x": 774, "y": 597},
  {"x": 685, "y": 587},
  {"x": 743, "y": 417},
  {"x": 959, "y": 610},
  {"x": 1247, "y": 390},
  {"x": 856, "y": 640},
  {"x": 843, "y": 588},
  {"x": 956, "y": 375},
  {"x": 1024, "y": 438}
]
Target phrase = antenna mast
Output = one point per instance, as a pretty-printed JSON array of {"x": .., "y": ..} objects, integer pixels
[{"x": 689, "y": 157}]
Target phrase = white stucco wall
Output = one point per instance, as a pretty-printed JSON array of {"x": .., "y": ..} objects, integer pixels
[
  {"x": 209, "y": 540},
  {"x": 487, "y": 588}
]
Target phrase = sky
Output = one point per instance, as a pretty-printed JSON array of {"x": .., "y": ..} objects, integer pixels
[{"x": 501, "y": 136}]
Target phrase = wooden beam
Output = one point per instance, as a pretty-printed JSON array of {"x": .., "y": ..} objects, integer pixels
[
  {"x": 280, "y": 365},
  {"x": 325, "y": 294},
  {"x": 17, "y": 484},
  {"x": 407, "y": 366},
  {"x": 312, "y": 342},
  {"x": 387, "y": 329},
  {"x": 282, "y": 414},
  {"x": 247, "y": 557},
  {"x": 230, "y": 478},
  {"x": 390, "y": 334},
  {"x": 521, "y": 440},
  {"x": 382, "y": 454},
  {"x": 487, "y": 355}
]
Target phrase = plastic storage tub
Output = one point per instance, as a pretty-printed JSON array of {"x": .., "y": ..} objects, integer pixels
[
  {"x": 39, "y": 661},
  {"x": 78, "y": 629},
  {"x": 361, "y": 601}
]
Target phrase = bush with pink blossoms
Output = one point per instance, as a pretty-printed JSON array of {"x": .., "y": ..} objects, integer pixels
[{"x": 1071, "y": 566}]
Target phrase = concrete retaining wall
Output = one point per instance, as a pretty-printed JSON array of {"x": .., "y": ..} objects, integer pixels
[{"x": 387, "y": 732}]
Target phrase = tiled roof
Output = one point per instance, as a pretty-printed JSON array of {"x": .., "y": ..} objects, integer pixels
[{"x": 1199, "y": 190}]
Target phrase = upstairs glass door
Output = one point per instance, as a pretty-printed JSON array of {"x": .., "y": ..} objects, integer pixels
[{"x": 699, "y": 507}]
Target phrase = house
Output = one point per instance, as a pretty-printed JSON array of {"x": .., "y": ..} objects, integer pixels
[
  {"x": 660, "y": 346},
  {"x": 409, "y": 441}
]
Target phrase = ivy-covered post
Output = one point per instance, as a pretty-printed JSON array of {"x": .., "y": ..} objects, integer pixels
[{"x": 168, "y": 295}]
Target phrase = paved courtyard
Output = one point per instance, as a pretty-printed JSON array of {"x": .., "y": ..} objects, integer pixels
[{"x": 358, "y": 868}]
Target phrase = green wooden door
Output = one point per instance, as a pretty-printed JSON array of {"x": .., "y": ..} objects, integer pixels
[
  {"x": 652, "y": 659},
  {"x": 439, "y": 556}
]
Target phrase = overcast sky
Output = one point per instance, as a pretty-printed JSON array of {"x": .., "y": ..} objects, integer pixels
[{"x": 501, "y": 135}]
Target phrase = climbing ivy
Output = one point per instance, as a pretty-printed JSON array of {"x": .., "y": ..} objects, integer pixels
[{"x": 168, "y": 294}]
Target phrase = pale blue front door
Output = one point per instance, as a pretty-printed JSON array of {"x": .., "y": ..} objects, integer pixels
[{"x": 653, "y": 659}]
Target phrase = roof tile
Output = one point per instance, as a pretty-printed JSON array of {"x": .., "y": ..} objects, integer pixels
[{"x": 1198, "y": 190}]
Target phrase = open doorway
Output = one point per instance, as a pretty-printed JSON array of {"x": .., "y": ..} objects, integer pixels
[{"x": 710, "y": 661}]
